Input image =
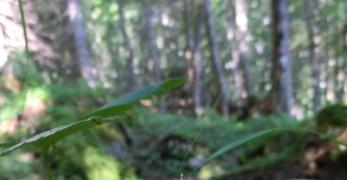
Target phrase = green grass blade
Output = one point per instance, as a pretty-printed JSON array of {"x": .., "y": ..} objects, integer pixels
[
  {"x": 247, "y": 139},
  {"x": 266, "y": 134}
]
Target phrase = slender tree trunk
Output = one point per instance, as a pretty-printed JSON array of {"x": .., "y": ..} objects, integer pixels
[
  {"x": 344, "y": 64},
  {"x": 215, "y": 56},
  {"x": 198, "y": 64},
  {"x": 154, "y": 60},
  {"x": 328, "y": 74},
  {"x": 188, "y": 12},
  {"x": 127, "y": 45},
  {"x": 112, "y": 47},
  {"x": 193, "y": 53},
  {"x": 153, "y": 53},
  {"x": 235, "y": 60},
  {"x": 83, "y": 54},
  {"x": 187, "y": 16},
  {"x": 282, "y": 90},
  {"x": 313, "y": 47},
  {"x": 238, "y": 27},
  {"x": 341, "y": 64}
]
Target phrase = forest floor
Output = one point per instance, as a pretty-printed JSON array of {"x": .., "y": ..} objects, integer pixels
[{"x": 169, "y": 146}]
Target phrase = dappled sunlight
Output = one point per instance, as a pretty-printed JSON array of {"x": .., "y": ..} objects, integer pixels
[
  {"x": 13, "y": 84},
  {"x": 100, "y": 166},
  {"x": 297, "y": 112},
  {"x": 26, "y": 157},
  {"x": 210, "y": 170},
  {"x": 9, "y": 126},
  {"x": 32, "y": 104},
  {"x": 35, "y": 105}
]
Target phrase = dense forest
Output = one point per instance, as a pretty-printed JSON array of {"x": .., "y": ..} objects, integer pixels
[{"x": 173, "y": 89}]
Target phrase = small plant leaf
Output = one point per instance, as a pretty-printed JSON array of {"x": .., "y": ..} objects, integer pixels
[
  {"x": 127, "y": 101},
  {"x": 6, "y": 145},
  {"x": 47, "y": 138}
]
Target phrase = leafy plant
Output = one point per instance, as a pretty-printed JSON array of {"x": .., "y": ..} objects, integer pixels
[
  {"x": 267, "y": 134},
  {"x": 333, "y": 115},
  {"x": 111, "y": 112}
]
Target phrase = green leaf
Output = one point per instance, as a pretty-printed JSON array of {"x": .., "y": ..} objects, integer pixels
[
  {"x": 113, "y": 111},
  {"x": 6, "y": 145},
  {"x": 266, "y": 134},
  {"x": 127, "y": 101},
  {"x": 47, "y": 138},
  {"x": 247, "y": 139}
]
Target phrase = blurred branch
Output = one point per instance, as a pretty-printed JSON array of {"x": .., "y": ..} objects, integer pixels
[{"x": 23, "y": 21}]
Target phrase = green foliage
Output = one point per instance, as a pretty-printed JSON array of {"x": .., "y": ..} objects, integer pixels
[
  {"x": 18, "y": 166},
  {"x": 127, "y": 101},
  {"x": 333, "y": 115},
  {"x": 45, "y": 139},
  {"x": 101, "y": 166},
  {"x": 68, "y": 157},
  {"x": 255, "y": 143},
  {"x": 259, "y": 136},
  {"x": 212, "y": 133},
  {"x": 107, "y": 113}
]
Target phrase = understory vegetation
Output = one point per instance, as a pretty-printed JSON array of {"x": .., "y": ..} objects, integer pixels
[
  {"x": 163, "y": 145},
  {"x": 175, "y": 89}
]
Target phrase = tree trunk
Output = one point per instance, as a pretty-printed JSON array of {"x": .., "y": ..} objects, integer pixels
[
  {"x": 198, "y": 64},
  {"x": 193, "y": 53},
  {"x": 189, "y": 51},
  {"x": 127, "y": 45},
  {"x": 344, "y": 64},
  {"x": 87, "y": 70},
  {"x": 282, "y": 90},
  {"x": 153, "y": 56},
  {"x": 215, "y": 56},
  {"x": 153, "y": 53},
  {"x": 313, "y": 47},
  {"x": 237, "y": 33},
  {"x": 187, "y": 16},
  {"x": 340, "y": 66}
]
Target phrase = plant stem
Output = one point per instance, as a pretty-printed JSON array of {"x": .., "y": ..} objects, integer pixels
[
  {"x": 23, "y": 21},
  {"x": 47, "y": 164}
]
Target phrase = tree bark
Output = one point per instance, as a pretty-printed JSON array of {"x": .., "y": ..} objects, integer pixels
[
  {"x": 127, "y": 45},
  {"x": 87, "y": 70},
  {"x": 187, "y": 16},
  {"x": 237, "y": 33},
  {"x": 153, "y": 53},
  {"x": 193, "y": 53},
  {"x": 343, "y": 70},
  {"x": 313, "y": 47},
  {"x": 198, "y": 66},
  {"x": 215, "y": 56},
  {"x": 282, "y": 90}
]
